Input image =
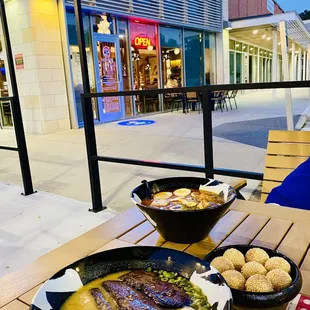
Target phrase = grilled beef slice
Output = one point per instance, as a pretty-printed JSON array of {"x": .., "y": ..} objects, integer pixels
[
  {"x": 163, "y": 293},
  {"x": 101, "y": 302},
  {"x": 127, "y": 298}
]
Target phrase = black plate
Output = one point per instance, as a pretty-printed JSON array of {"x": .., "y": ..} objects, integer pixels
[
  {"x": 181, "y": 226},
  {"x": 64, "y": 283},
  {"x": 263, "y": 300}
]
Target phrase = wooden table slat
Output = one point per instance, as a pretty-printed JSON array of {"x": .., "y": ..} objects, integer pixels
[
  {"x": 272, "y": 234},
  {"x": 248, "y": 229},
  {"x": 45, "y": 266},
  {"x": 154, "y": 239},
  {"x": 296, "y": 242},
  {"x": 28, "y": 297},
  {"x": 306, "y": 262},
  {"x": 15, "y": 305},
  {"x": 220, "y": 231},
  {"x": 114, "y": 244},
  {"x": 175, "y": 246},
  {"x": 305, "y": 282},
  {"x": 291, "y": 214},
  {"x": 138, "y": 233}
]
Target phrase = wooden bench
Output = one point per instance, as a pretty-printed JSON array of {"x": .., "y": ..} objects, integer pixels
[{"x": 286, "y": 150}]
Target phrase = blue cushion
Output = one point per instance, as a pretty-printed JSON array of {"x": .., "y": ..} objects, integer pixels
[{"x": 294, "y": 191}]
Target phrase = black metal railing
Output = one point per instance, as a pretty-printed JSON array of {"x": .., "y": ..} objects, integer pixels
[
  {"x": 16, "y": 111},
  {"x": 205, "y": 91}
]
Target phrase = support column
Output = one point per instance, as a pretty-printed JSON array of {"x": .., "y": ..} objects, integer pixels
[
  {"x": 275, "y": 59},
  {"x": 285, "y": 65},
  {"x": 304, "y": 66},
  {"x": 293, "y": 62},
  {"x": 308, "y": 63},
  {"x": 258, "y": 67},
  {"x": 299, "y": 65}
]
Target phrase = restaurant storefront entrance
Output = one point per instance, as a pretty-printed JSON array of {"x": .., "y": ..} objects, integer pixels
[
  {"x": 136, "y": 54},
  {"x": 107, "y": 60}
]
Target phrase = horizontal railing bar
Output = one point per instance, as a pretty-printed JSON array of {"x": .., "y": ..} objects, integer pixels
[
  {"x": 272, "y": 85},
  {"x": 239, "y": 174},
  {"x": 8, "y": 148},
  {"x": 6, "y": 98},
  {"x": 182, "y": 167}
]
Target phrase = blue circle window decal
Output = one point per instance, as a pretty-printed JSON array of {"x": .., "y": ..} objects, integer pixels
[{"x": 136, "y": 122}]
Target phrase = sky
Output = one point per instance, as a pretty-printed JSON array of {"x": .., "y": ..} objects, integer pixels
[{"x": 294, "y": 5}]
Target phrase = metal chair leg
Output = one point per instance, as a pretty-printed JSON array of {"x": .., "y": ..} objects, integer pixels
[
  {"x": 230, "y": 103},
  {"x": 236, "y": 103}
]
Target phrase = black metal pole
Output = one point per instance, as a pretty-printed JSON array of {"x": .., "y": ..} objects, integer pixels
[
  {"x": 16, "y": 111},
  {"x": 89, "y": 128},
  {"x": 207, "y": 133}
]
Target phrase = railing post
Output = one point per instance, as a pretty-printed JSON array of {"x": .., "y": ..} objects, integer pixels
[
  {"x": 16, "y": 110},
  {"x": 207, "y": 132},
  {"x": 88, "y": 117}
]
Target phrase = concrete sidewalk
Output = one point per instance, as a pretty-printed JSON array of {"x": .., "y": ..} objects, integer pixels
[
  {"x": 59, "y": 166},
  {"x": 34, "y": 225}
]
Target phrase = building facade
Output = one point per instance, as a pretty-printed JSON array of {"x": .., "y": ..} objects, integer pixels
[
  {"x": 130, "y": 45},
  {"x": 142, "y": 44}
]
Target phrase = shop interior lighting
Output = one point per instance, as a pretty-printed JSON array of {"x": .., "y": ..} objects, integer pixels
[
  {"x": 268, "y": 38},
  {"x": 264, "y": 36},
  {"x": 255, "y": 32},
  {"x": 237, "y": 45},
  {"x": 176, "y": 51},
  {"x": 244, "y": 47},
  {"x": 279, "y": 43}
]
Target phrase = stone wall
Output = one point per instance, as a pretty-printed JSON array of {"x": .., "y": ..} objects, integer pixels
[{"x": 35, "y": 33}]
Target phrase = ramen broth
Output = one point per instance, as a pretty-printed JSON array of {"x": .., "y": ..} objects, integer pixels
[
  {"x": 185, "y": 199},
  {"x": 82, "y": 299}
]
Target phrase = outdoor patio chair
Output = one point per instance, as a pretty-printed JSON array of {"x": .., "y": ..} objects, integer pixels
[
  {"x": 286, "y": 150},
  {"x": 232, "y": 95},
  {"x": 177, "y": 99},
  {"x": 218, "y": 100},
  {"x": 194, "y": 99}
]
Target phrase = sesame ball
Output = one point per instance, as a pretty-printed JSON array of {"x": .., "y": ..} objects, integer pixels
[
  {"x": 256, "y": 255},
  {"x": 251, "y": 268},
  {"x": 222, "y": 264},
  {"x": 277, "y": 262},
  {"x": 234, "y": 279},
  {"x": 236, "y": 257},
  {"x": 258, "y": 284},
  {"x": 279, "y": 279}
]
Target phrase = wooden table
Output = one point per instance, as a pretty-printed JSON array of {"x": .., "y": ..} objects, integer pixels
[{"x": 274, "y": 227}]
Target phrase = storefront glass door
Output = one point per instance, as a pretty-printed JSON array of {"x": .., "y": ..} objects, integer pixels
[{"x": 108, "y": 76}]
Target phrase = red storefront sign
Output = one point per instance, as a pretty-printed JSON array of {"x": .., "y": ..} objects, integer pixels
[{"x": 142, "y": 35}]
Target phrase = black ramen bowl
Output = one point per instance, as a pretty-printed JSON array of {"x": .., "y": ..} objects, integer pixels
[
  {"x": 186, "y": 226},
  {"x": 263, "y": 300},
  {"x": 54, "y": 293}
]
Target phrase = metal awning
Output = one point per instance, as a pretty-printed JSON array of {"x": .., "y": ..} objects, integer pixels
[{"x": 296, "y": 29}]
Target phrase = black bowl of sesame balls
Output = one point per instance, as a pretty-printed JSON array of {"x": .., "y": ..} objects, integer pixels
[{"x": 258, "y": 277}]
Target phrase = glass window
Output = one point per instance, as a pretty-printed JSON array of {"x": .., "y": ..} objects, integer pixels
[
  {"x": 143, "y": 39},
  {"x": 123, "y": 39},
  {"x": 76, "y": 66},
  {"x": 245, "y": 48},
  {"x": 231, "y": 44},
  {"x": 251, "y": 49},
  {"x": 210, "y": 59},
  {"x": 171, "y": 54},
  {"x": 239, "y": 46},
  {"x": 171, "y": 41},
  {"x": 238, "y": 68},
  {"x": 232, "y": 67},
  {"x": 103, "y": 23},
  {"x": 193, "y": 58}
]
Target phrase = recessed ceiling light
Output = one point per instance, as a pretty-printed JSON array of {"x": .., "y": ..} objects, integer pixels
[
  {"x": 255, "y": 32},
  {"x": 279, "y": 43},
  {"x": 269, "y": 38},
  {"x": 264, "y": 36}
]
